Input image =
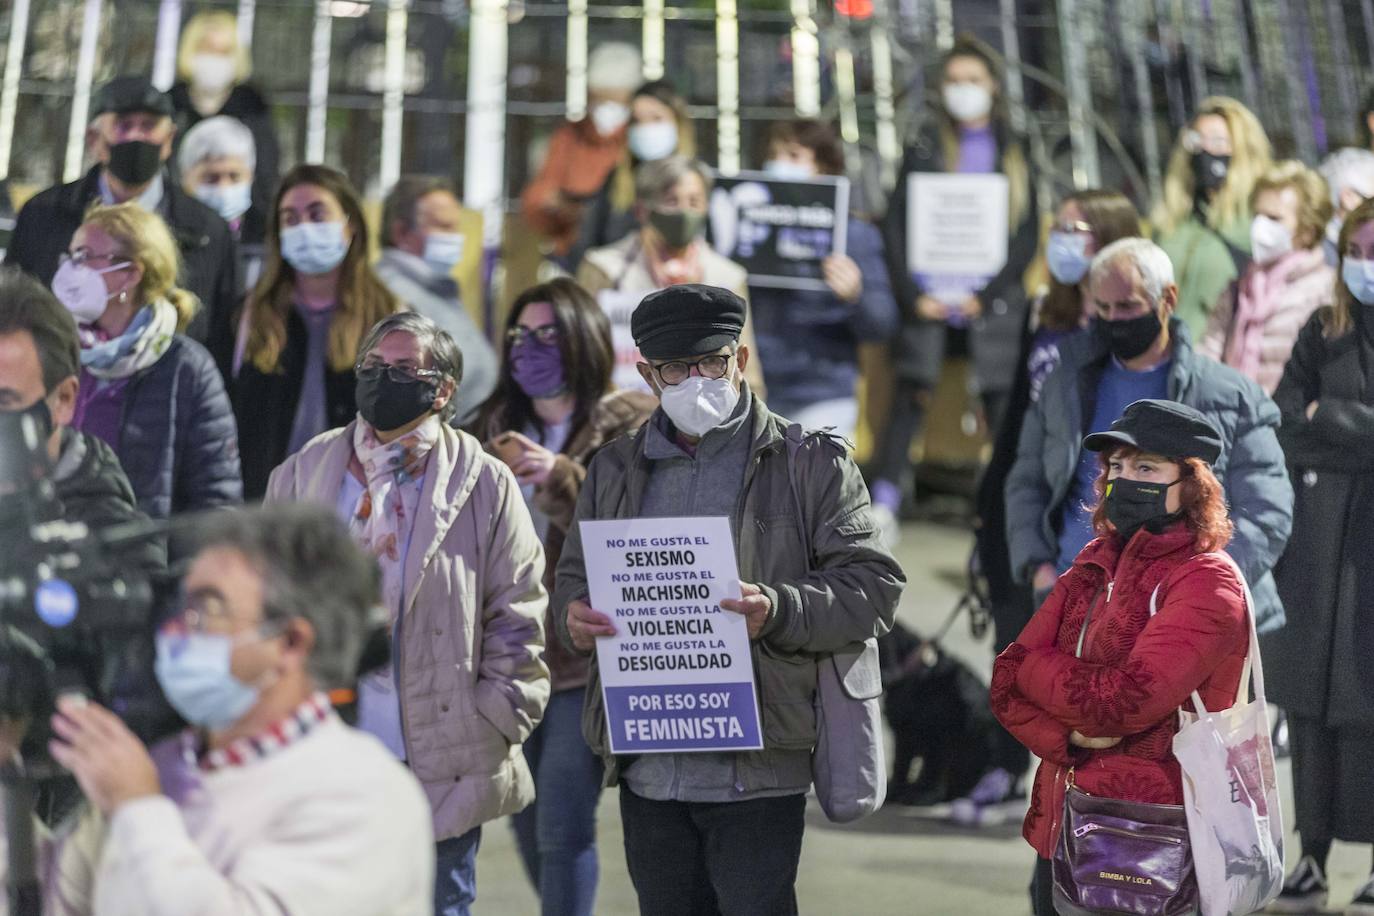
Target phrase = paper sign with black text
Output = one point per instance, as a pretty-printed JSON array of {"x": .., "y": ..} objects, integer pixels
[
  {"x": 956, "y": 224},
  {"x": 619, "y": 306},
  {"x": 678, "y": 675},
  {"x": 780, "y": 231}
]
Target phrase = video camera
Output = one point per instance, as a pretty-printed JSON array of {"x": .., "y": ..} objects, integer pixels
[{"x": 73, "y": 616}]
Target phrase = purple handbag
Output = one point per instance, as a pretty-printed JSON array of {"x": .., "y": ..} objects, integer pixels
[{"x": 1125, "y": 857}]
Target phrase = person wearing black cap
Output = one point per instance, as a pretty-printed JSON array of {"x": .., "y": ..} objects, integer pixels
[
  {"x": 1138, "y": 349},
  {"x": 1149, "y": 612},
  {"x": 722, "y": 832},
  {"x": 135, "y": 132}
]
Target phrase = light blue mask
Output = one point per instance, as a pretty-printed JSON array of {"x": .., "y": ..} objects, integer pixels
[
  {"x": 193, "y": 669},
  {"x": 787, "y": 170},
  {"x": 1358, "y": 277},
  {"x": 230, "y": 201},
  {"x": 443, "y": 250},
  {"x": 652, "y": 142},
  {"x": 1067, "y": 255},
  {"x": 314, "y": 248}
]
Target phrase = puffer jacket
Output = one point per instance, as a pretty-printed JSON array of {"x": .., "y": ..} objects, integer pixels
[
  {"x": 1256, "y": 321},
  {"x": 1134, "y": 673},
  {"x": 178, "y": 441},
  {"x": 472, "y": 685},
  {"x": 1206, "y": 261},
  {"x": 1251, "y": 467},
  {"x": 849, "y": 594},
  {"x": 614, "y": 415}
]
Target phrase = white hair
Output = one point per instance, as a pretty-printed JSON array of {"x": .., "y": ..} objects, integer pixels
[
  {"x": 1149, "y": 260},
  {"x": 1350, "y": 167},
  {"x": 215, "y": 138},
  {"x": 614, "y": 66}
]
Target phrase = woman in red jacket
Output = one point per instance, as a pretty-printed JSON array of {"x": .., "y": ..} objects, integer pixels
[{"x": 1094, "y": 683}]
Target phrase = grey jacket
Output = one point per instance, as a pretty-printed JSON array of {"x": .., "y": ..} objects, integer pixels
[
  {"x": 1251, "y": 467},
  {"x": 850, "y": 594},
  {"x": 418, "y": 287}
]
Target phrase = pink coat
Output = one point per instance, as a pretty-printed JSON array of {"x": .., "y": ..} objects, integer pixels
[{"x": 1257, "y": 319}]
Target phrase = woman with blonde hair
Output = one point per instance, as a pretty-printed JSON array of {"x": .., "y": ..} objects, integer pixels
[
  {"x": 213, "y": 68},
  {"x": 299, "y": 334},
  {"x": 152, "y": 393},
  {"x": 1203, "y": 223},
  {"x": 1255, "y": 322},
  {"x": 1320, "y": 665}
]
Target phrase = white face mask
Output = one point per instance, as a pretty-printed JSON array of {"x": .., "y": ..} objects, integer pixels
[
  {"x": 213, "y": 72},
  {"x": 443, "y": 250},
  {"x": 788, "y": 170},
  {"x": 698, "y": 405},
  {"x": 609, "y": 117},
  {"x": 82, "y": 289},
  {"x": 314, "y": 248},
  {"x": 651, "y": 142},
  {"x": 1269, "y": 240},
  {"x": 230, "y": 201},
  {"x": 967, "y": 101}
]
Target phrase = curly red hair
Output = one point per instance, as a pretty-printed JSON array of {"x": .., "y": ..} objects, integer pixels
[{"x": 1201, "y": 500}]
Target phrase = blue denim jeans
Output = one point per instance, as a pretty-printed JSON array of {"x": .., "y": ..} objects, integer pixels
[
  {"x": 557, "y": 834},
  {"x": 455, "y": 874}
]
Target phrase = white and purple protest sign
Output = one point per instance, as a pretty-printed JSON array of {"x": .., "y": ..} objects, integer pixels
[{"x": 678, "y": 674}]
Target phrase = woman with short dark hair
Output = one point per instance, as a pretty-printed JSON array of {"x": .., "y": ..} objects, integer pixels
[
  {"x": 554, "y": 407},
  {"x": 1150, "y": 612}
]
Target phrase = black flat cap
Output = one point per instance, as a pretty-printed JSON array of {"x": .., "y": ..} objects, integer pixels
[
  {"x": 1165, "y": 428},
  {"x": 687, "y": 320},
  {"x": 124, "y": 94}
]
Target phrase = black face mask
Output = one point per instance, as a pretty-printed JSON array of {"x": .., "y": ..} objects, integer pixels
[
  {"x": 388, "y": 404},
  {"x": 1209, "y": 172},
  {"x": 1129, "y": 337},
  {"x": 1133, "y": 504},
  {"x": 135, "y": 161}
]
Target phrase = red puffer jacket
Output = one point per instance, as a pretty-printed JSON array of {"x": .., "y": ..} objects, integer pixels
[{"x": 1133, "y": 675}]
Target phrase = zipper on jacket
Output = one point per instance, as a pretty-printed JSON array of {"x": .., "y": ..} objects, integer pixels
[
  {"x": 1092, "y": 827},
  {"x": 1056, "y": 808}
]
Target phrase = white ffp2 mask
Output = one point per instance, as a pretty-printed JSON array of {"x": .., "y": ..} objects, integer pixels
[{"x": 698, "y": 405}]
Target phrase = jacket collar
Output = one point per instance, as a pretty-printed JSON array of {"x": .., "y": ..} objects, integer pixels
[
  {"x": 1108, "y": 551},
  {"x": 185, "y": 216},
  {"x": 417, "y": 271},
  {"x": 1086, "y": 351}
]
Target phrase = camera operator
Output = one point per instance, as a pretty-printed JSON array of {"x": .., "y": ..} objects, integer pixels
[
  {"x": 40, "y": 362},
  {"x": 270, "y": 803}
]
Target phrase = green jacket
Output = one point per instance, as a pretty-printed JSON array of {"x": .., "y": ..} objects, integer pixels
[
  {"x": 1204, "y": 266},
  {"x": 849, "y": 594}
]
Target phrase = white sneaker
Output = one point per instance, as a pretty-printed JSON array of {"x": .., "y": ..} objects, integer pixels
[
  {"x": 889, "y": 527},
  {"x": 1305, "y": 890}
]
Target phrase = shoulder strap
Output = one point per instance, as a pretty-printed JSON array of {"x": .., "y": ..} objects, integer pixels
[{"x": 1253, "y": 662}]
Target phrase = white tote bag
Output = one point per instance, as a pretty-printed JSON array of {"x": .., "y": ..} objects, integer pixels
[{"x": 1231, "y": 793}]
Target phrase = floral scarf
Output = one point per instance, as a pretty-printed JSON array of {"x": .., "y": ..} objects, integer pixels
[
  {"x": 382, "y": 521},
  {"x": 141, "y": 344}
]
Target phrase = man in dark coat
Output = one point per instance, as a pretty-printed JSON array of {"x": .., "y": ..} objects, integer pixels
[{"x": 135, "y": 126}]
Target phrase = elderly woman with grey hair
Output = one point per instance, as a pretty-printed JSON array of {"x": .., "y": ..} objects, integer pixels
[
  {"x": 461, "y": 579},
  {"x": 669, "y": 248},
  {"x": 216, "y": 162}
]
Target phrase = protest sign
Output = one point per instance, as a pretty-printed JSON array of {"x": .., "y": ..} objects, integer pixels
[
  {"x": 780, "y": 231},
  {"x": 678, "y": 675},
  {"x": 619, "y": 306},
  {"x": 956, "y": 224}
]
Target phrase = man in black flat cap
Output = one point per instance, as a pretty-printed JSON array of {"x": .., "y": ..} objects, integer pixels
[
  {"x": 132, "y": 134},
  {"x": 721, "y": 832}
]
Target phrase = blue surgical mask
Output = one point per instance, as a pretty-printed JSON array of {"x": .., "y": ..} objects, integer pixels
[
  {"x": 314, "y": 248},
  {"x": 443, "y": 250},
  {"x": 1358, "y": 277},
  {"x": 1067, "y": 256},
  {"x": 651, "y": 142},
  {"x": 193, "y": 669},
  {"x": 787, "y": 170},
  {"x": 230, "y": 201}
]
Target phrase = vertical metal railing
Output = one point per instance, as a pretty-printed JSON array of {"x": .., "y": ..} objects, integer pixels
[
  {"x": 9, "y": 89},
  {"x": 652, "y": 40},
  {"x": 727, "y": 87},
  {"x": 1011, "y": 52},
  {"x": 393, "y": 93},
  {"x": 889, "y": 146},
  {"x": 1347, "y": 102},
  {"x": 806, "y": 60},
  {"x": 165, "y": 44},
  {"x": 247, "y": 8},
  {"x": 317, "y": 112},
  {"x": 576, "y": 72},
  {"x": 485, "y": 153},
  {"x": 944, "y": 24},
  {"x": 1300, "y": 113},
  {"x": 81, "y": 94},
  {"x": 1136, "y": 24},
  {"x": 1245, "y": 61},
  {"x": 1087, "y": 172}
]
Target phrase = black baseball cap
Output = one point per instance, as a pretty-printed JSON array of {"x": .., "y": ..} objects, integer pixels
[
  {"x": 1166, "y": 428},
  {"x": 687, "y": 320},
  {"x": 124, "y": 94}
]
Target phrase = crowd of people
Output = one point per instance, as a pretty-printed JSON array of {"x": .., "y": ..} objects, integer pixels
[{"x": 191, "y": 329}]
